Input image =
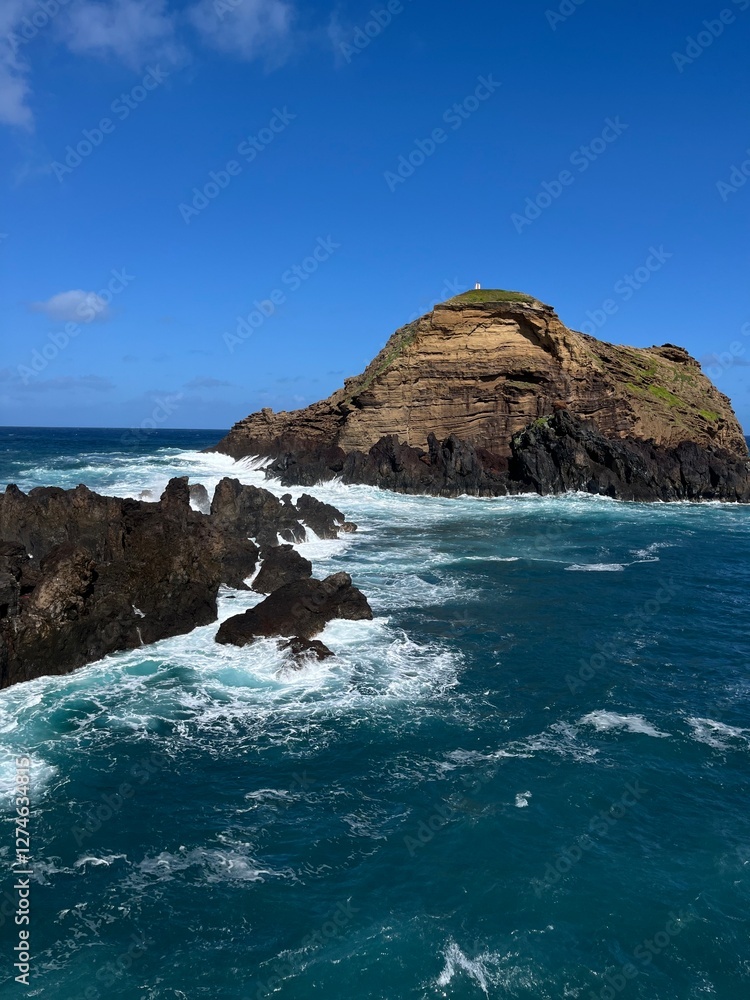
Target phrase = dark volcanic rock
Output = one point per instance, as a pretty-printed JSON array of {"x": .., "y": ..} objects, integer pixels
[
  {"x": 302, "y": 608},
  {"x": 553, "y": 455},
  {"x": 561, "y": 453},
  {"x": 18, "y": 577},
  {"x": 83, "y": 575},
  {"x": 280, "y": 565},
  {"x": 324, "y": 519},
  {"x": 255, "y": 513},
  {"x": 99, "y": 559},
  {"x": 303, "y": 651}
]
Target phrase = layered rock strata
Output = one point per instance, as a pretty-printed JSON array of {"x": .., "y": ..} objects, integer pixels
[{"x": 458, "y": 402}]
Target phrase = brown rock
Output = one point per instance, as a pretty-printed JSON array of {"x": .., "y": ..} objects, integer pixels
[{"x": 477, "y": 371}]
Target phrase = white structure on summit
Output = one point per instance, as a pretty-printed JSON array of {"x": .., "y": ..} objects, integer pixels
[{"x": 477, "y": 287}]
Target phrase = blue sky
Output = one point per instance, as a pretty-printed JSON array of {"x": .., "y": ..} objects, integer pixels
[{"x": 362, "y": 160}]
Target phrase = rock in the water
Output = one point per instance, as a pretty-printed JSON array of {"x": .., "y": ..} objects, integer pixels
[
  {"x": 304, "y": 651},
  {"x": 199, "y": 498},
  {"x": 255, "y": 513},
  {"x": 95, "y": 559},
  {"x": 441, "y": 408},
  {"x": 324, "y": 519},
  {"x": 83, "y": 575},
  {"x": 302, "y": 608},
  {"x": 561, "y": 454},
  {"x": 281, "y": 564}
]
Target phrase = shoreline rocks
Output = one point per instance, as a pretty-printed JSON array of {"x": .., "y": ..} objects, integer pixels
[
  {"x": 83, "y": 575},
  {"x": 554, "y": 455}
]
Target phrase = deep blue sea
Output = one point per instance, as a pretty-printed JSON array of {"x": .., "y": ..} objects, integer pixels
[{"x": 527, "y": 778}]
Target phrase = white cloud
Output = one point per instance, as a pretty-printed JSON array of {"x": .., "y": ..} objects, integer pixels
[
  {"x": 14, "y": 95},
  {"x": 246, "y": 28},
  {"x": 14, "y": 85},
  {"x": 135, "y": 31},
  {"x": 75, "y": 306}
]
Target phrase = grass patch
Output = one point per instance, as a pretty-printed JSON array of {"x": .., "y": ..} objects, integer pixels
[
  {"x": 490, "y": 295},
  {"x": 407, "y": 337},
  {"x": 664, "y": 394},
  {"x": 709, "y": 415}
]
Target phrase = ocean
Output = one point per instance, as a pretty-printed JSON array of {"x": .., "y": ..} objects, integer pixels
[{"x": 526, "y": 778}]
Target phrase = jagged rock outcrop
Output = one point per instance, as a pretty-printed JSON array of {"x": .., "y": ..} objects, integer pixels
[
  {"x": 562, "y": 454},
  {"x": 441, "y": 407},
  {"x": 83, "y": 575},
  {"x": 299, "y": 609},
  {"x": 281, "y": 564},
  {"x": 111, "y": 574}
]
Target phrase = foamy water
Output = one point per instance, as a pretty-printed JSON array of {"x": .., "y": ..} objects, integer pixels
[{"x": 438, "y": 810}]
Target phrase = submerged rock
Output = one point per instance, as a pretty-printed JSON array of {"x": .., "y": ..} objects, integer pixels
[
  {"x": 301, "y": 608},
  {"x": 304, "y": 651}
]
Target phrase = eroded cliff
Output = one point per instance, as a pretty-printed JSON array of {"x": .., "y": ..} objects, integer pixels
[{"x": 482, "y": 368}]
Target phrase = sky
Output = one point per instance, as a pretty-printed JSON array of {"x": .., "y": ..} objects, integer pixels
[{"x": 212, "y": 206}]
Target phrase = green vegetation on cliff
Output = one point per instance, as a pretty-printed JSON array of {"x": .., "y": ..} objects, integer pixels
[{"x": 478, "y": 295}]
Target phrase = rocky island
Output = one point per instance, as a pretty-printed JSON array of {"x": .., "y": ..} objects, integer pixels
[{"x": 491, "y": 394}]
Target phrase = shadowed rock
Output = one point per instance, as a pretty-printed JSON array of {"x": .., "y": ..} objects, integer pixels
[
  {"x": 302, "y": 608},
  {"x": 83, "y": 575},
  {"x": 112, "y": 574},
  {"x": 280, "y": 565},
  {"x": 324, "y": 519},
  {"x": 255, "y": 513},
  {"x": 304, "y": 651}
]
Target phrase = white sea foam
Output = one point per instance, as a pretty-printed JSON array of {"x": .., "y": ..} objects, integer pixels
[
  {"x": 104, "y": 860},
  {"x": 522, "y": 800},
  {"x": 596, "y": 567},
  {"x": 41, "y": 775},
  {"x": 604, "y": 721},
  {"x": 504, "y": 559},
  {"x": 477, "y": 969},
  {"x": 718, "y": 735},
  {"x": 648, "y": 554},
  {"x": 212, "y": 865}
]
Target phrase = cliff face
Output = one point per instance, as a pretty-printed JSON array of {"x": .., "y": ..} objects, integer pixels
[
  {"x": 483, "y": 371},
  {"x": 485, "y": 366}
]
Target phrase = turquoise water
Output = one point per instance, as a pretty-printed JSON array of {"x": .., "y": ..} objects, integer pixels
[{"x": 526, "y": 778}]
